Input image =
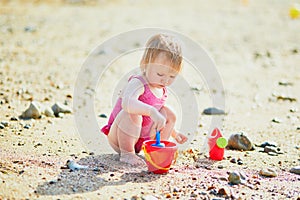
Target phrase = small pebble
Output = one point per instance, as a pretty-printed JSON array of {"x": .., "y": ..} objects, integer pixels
[
  {"x": 175, "y": 189},
  {"x": 213, "y": 192},
  {"x": 208, "y": 167},
  {"x": 52, "y": 182},
  {"x": 213, "y": 111},
  {"x": 224, "y": 191},
  {"x": 60, "y": 108},
  {"x": 60, "y": 86},
  {"x": 220, "y": 166},
  {"x": 74, "y": 166},
  {"x": 235, "y": 178},
  {"x": 102, "y": 116},
  {"x": 268, "y": 143},
  {"x": 30, "y": 29},
  {"x": 2, "y": 126},
  {"x": 268, "y": 172},
  {"x": 13, "y": 119},
  {"x": 96, "y": 169},
  {"x": 276, "y": 120},
  {"x": 268, "y": 149},
  {"x": 295, "y": 170},
  {"x": 193, "y": 195},
  {"x": 285, "y": 83},
  {"x": 4, "y": 123},
  {"x": 27, "y": 126},
  {"x": 37, "y": 145},
  {"x": 21, "y": 143},
  {"x": 272, "y": 154},
  {"x": 48, "y": 112},
  {"x": 222, "y": 178},
  {"x": 34, "y": 111}
]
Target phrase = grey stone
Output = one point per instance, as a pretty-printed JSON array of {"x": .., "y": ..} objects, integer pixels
[
  {"x": 240, "y": 141},
  {"x": 4, "y": 123},
  {"x": 34, "y": 111},
  {"x": 268, "y": 172},
  {"x": 268, "y": 143},
  {"x": 213, "y": 111},
  {"x": 75, "y": 166},
  {"x": 48, "y": 112},
  {"x": 272, "y": 154},
  {"x": 235, "y": 178},
  {"x": 60, "y": 108},
  {"x": 295, "y": 170},
  {"x": 269, "y": 149}
]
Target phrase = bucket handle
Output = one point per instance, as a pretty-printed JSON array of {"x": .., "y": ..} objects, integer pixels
[{"x": 148, "y": 158}]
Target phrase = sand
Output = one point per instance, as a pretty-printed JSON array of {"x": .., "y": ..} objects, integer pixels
[{"x": 44, "y": 44}]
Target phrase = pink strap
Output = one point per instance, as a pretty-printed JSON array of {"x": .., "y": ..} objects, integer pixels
[
  {"x": 105, "y": 129},
  {"x": 140, "y": 78}
]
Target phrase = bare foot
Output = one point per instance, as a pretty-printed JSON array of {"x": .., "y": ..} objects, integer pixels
[{"x": 132, "y": 159}]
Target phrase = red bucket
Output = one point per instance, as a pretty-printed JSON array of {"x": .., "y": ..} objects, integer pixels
[{"x": 159, "y": 159}]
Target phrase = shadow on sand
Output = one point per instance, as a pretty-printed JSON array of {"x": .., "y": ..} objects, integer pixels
[{"x": 104, "y": 170}]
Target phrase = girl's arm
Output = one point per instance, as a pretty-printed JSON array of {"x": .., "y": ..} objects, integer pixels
[{"x": 131, "y": 104}]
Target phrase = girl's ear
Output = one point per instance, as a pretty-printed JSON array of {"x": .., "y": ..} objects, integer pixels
[{"x": 143, "y": 68}]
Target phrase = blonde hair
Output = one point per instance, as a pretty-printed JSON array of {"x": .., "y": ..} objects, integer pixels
[{"x": 162, "y": 43}]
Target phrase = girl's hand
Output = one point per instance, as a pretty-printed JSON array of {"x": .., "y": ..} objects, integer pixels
[
  {"x": 159, "y": 121},
  {"x": 180, "y": 138}
]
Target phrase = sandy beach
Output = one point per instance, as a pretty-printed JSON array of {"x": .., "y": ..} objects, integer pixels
[{"x": 254, "y": 44}]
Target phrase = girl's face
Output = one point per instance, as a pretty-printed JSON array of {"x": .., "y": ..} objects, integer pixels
[{"x": 159, "y": 73}]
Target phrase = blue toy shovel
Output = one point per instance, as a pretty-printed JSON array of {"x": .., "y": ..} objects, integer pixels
[{"x": 157, "y": 138}]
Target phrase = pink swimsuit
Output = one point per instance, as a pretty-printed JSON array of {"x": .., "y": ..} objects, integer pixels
[{"x": 147, "y": 97}]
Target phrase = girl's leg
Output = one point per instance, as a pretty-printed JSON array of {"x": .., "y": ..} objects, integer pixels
[{"x": 123, "y": 135}]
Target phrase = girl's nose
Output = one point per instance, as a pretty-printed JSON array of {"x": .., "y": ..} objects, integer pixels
[{"x": 165, "y": 81}]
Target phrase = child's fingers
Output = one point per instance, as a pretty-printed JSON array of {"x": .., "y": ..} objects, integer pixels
[
  {"x": 184, "y": 140},
  {"x": 155, "y": 126},
  {"x": 160, "y": 125},
  {"x": 181, "y": 139}
]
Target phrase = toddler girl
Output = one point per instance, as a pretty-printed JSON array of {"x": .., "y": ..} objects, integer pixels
[{"x": 140, "y": 110}]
